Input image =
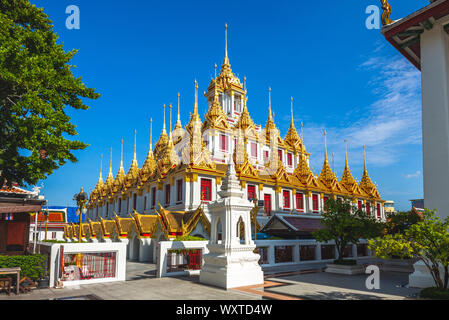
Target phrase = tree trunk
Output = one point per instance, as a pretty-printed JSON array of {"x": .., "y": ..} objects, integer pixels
[{"x": 446, "y": 276}]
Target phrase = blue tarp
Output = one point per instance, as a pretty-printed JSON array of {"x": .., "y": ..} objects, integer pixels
[{"x": 71, "y": 214}]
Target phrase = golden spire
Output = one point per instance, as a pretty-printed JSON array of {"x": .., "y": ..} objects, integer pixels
[
  {"x": 119, "y": 178},
  {"x": 291, "y": 112},
  {"x": 171, "y": 107},
  {"x": 325, "y": 146},
  {"x": 195, "y": 118},
  {"x": 327, "y": 177},
  {"x": 347, "y": 180},
  {"x": 178, "y": 121},
  {"x": 151, "y": 134},
  {"x": 110, "y": 177},
  {"x": 135, "y": 142},
  {"x": 292, "y": 137},
  {"x": 195, "y": 106},
  {"x": 163, "y": 128},
  {"x": 269, "y": 103},
  {"x": 100, "y": 179},
  {"x": 131, "y": 176},
  {"x": 121, "y": 159},
  {"x": 364, "y": 160},
  {"x": 149, "y": 164},
  {"x": 366, "y": 184},
  {"x": 226, "y": 59},
  {"x": 244, "y": 83},
  {"x": 301, "y": 130},
  {"x": 215, "y": 67}
]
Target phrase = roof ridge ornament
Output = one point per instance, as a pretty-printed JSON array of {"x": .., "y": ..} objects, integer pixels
[{"x": 386, "y": 13}]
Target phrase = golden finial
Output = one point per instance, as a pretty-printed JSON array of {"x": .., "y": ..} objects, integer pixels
[
  {"x": 346, "y": 153},
  {"x": 226, "y": 43},
  {"x": 325, "y": 146},
  {"x": 244, "y": 83},
  {"x": 163, "y": 126},
  {"x": 170, "y": 106},
  {"x": 101, "y": 168},
  {"x": 151, "y": 133},
  {"x": 110, "y": 164},
  {"x": 269, "y": 103},
  {"x": 121, "y": 157},
  {"x": 386, "y": 13},
  {"x": 215, "y": 66},
  {"x": 135, "y": 142},
  {"x": 195, "y": 108},
  {"x": 364, "y": 158},
  {"x": 178, "y": 121},
  {"x": 301, "y": 130},
  {"x": 291, "y": 107}
]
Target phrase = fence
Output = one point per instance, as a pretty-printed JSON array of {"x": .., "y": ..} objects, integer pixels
[
  {"x": 93, "y": 266},
  {"x": 101, "y": 262},
  {"x": 175, "y": 257}
]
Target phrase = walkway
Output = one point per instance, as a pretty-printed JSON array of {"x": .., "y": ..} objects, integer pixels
[{"x": 301, "y": 282}]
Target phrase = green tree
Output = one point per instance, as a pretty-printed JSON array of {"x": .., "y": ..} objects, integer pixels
[
  {"x": 398, "y": 222},
  {"x": 36, "y": 87},
  {"x": 346, "y": 224},
  {"x": 427, "y": 240}
]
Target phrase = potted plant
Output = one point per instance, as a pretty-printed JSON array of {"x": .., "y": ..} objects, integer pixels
[{"x": 345, "y": 224}]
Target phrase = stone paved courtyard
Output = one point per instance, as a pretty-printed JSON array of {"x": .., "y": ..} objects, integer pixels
[{"x": 281, "y": 283}]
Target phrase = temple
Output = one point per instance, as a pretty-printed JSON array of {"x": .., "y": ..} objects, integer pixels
[{"x": 168, "y": 196}]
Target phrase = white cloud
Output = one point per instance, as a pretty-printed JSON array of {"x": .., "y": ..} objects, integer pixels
[
  {"x": 413, "y": 175},
  {"x": 391, "y": 121}
]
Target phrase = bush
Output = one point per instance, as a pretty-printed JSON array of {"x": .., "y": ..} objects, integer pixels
[
  {"x": 32, "y": 266},
  {"x": 434, "y": 293},
  {"x": 189, "y": 238},
  {"x": 346, "y": 262}
]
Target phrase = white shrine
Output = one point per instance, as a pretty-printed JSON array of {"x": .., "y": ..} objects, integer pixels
[{"x": 231, "y": 261}]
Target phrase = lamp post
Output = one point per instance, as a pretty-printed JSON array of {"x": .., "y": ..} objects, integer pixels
[
  {"x": 80, "y": 198},
  {"x": 46, "y": 223}
]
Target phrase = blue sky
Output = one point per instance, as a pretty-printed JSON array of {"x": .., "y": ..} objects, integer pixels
[{"x": 343, "y": 77}]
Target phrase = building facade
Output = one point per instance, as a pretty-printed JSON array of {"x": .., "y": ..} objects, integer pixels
[{"x": 185, "y": 168}]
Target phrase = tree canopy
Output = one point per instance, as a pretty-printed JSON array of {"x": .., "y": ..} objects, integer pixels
[
  {"x": 36, "y": 87},
  {"x": 345, "y": 224},
  {"x": 427, "y": 240}
]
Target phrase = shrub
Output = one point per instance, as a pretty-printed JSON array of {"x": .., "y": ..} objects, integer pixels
[
  {"x": 434, "y": 293},
  {"x": 32, "y": 266},
  {"x": 189, "y": 238},
  {"x": 350, "y": 262}
]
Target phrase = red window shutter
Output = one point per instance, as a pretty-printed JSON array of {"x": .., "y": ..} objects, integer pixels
[
  {"x": 286, "y": 194},
  {"x": 251, "y": 192},
  {"x": 378, "y": 211},
  {"x": 280, "y": 154},
  {"x": 300, "y": 202},
  {"x": 359, "y": 204},
  {"x": 134, "y": 201},
  {"x": 289, "y": 159},
  {"x": 315, "y": 202},
  {"x": 223, "y": 142},
  {"x": 368, "y": 208},
  {"x": 324, "y": 203},
  {"x": 267, "y": 203},
  {"x": 206, "y": 189},
  {"x": 265, "y": 155},
  {"x": 253, "y": 150}
]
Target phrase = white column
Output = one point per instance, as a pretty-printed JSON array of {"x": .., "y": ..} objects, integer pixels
[{"x": 435, "y": 118}]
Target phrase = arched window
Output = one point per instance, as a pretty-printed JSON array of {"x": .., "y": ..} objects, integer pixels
[{"x": 241, "y": 230}]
